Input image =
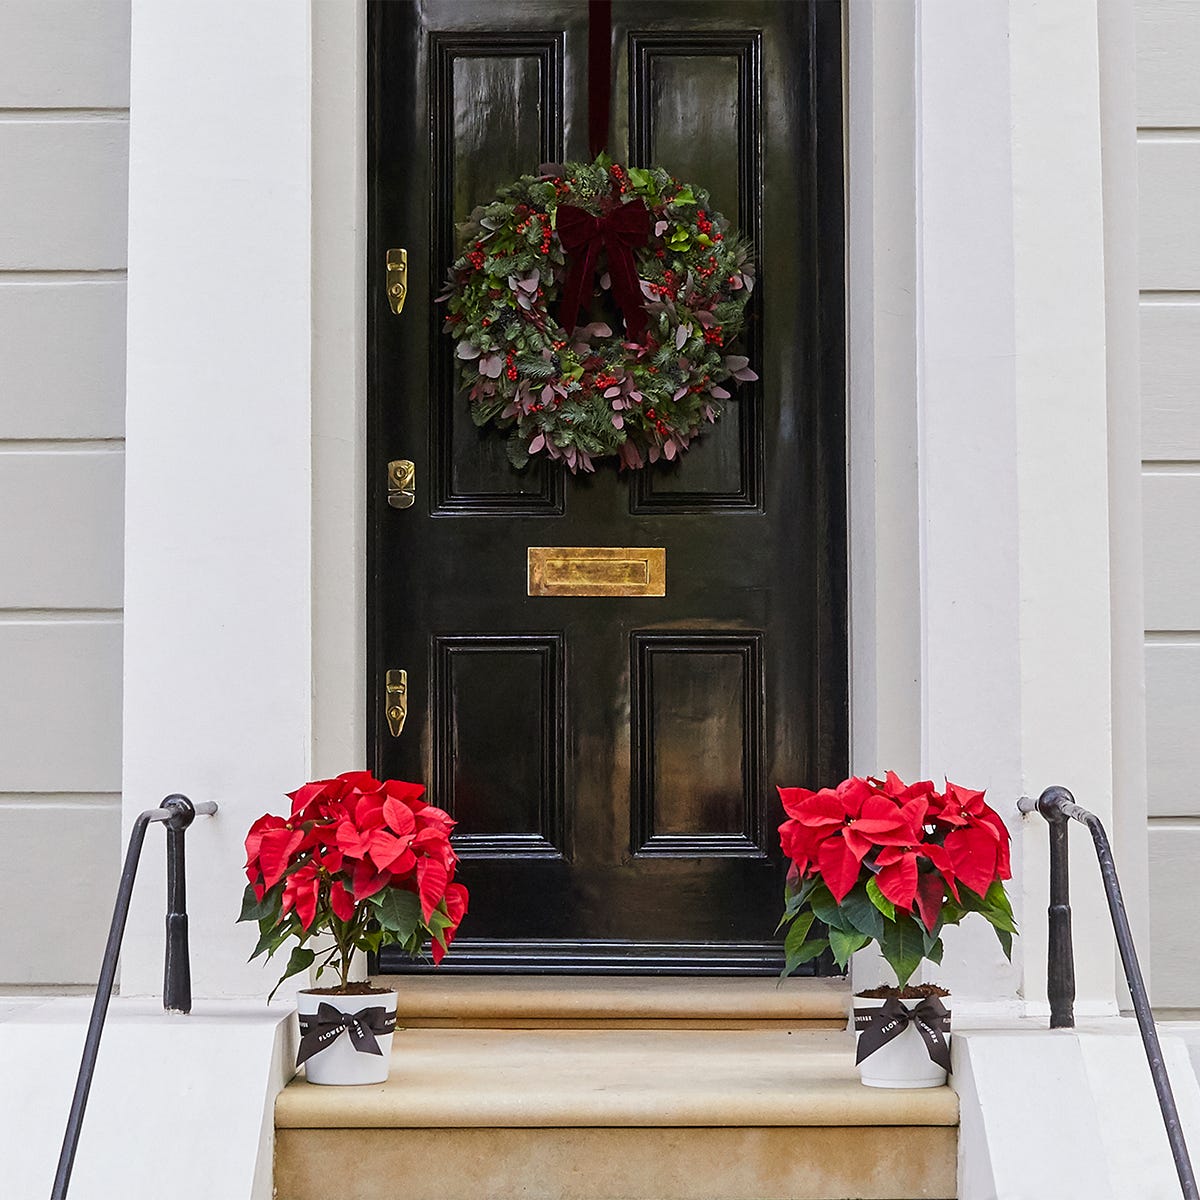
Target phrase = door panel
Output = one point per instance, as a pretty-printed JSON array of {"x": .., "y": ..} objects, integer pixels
[{"x": 612, "y": 760}]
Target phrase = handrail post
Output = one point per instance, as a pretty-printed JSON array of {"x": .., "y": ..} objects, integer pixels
[
  {"x": 1060, "y": 953},
  {"x": 177, "y": 969}
]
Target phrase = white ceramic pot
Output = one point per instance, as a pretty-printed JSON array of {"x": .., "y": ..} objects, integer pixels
[
  {"x": 902, "y": 1062},
  {"x": 339, "y": 1062}
]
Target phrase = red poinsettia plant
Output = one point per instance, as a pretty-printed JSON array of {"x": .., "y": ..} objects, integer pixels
[
  {"x": 894, "y": 863},
  {"x": 366, "y": 861}
]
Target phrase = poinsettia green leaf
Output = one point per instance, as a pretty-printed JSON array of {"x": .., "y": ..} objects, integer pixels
[
  {"x": 881, "y": 902},
  {"x": 1006, "y": 942},
  {"x": 797, "y": 933},
  {"x": 398, "y": 912},
  {"x": 903, "y": 947},
  {"x": 934, "y": 951},
  {"x": 300, "y": 960},
  {"x": 931, "y": 936},
  {"x": 273, "y": 936},
  {"x": 861, "y": 913},
  {"x": 254, "y": 909},
  {"x": 806, "y": 952},
  {"x": 845, "y": 944},
  {"x": 828, "y": 910}
]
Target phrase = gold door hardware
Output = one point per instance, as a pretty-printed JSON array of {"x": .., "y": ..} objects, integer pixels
[
  {"x": 402, "y": 483},
  {"x": 597, "y": 571},
  {"x": 397, "y": 279},
  {"x": 396, "y": 698}
]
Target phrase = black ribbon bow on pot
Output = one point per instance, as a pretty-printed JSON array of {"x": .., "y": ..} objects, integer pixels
[
  {"x": 878, "y": 1026},
  {"x": 364, "y": 1027},
  {"x": 619, "y": 232}
]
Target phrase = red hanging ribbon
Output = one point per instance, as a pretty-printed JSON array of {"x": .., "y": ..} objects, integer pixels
[
  {"x": 599, "y": 73},
  {"x": 620, "y": 231}
]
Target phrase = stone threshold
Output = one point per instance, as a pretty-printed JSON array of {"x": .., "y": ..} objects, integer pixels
[
  {"x": 560, "y": 1078},
  {"x": 615, "y": 1002}
]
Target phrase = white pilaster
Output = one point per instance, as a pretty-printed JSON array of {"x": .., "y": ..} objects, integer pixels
[
  {"x": 219, "y": 582},
  {"x": 1016, "y": 631}
]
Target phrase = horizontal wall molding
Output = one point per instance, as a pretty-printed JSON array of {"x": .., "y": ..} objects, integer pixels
[
  {"x": 16, "y": 445},
  {"x": 64, "y": 114},
  {"x": 60, "y": 274},
  {"x": 61, "y": 800},
  {"x": 1151, "y": 296}
]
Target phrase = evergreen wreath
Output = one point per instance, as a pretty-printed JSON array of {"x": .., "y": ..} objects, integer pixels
[{"x": 576, "y": 392}]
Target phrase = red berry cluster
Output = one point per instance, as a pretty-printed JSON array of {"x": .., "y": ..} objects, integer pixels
[
  {"x": 620, "y": 179},
  {"x": 714, "y": 336}
]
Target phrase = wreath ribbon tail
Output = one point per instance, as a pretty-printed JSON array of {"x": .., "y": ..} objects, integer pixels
[{"x": 580, "y": 235}]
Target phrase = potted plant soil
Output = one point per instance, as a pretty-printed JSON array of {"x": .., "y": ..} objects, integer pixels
[
  {"x": 358, "y": 864},
  {"x": 894, "y": 863}
]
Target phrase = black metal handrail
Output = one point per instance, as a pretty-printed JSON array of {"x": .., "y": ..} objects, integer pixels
[
  {"x": 177, "y": 813},
  {"x": 1057, "y": 805}
]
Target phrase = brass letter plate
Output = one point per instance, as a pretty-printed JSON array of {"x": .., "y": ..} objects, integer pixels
[{"x": 597, "y": 571}]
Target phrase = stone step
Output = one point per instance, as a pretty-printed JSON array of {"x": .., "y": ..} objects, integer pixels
[
  {"x": 617, "y": 1114},
  {"x": 616, "y": 1002}
]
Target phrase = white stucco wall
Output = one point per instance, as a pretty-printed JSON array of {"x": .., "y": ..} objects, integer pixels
[
  {"x": 1168, "y": 91},
  {"x": 64, "y": 96}
]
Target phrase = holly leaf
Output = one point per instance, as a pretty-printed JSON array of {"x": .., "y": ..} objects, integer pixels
[{"x": 844, "y": 944}]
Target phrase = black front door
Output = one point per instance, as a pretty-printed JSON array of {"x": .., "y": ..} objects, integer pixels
[{"x": 612, "y": 761}]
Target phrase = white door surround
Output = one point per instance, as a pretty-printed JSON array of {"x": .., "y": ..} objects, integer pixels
[{"x": 980, "y": 612}]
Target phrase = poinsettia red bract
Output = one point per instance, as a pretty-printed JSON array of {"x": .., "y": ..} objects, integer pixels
[
  {"x": 366, "y": 860},
  {"x": 883, "y": 860}
]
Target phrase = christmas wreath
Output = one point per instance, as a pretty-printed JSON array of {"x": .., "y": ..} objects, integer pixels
[{"x": 528, "y": 275}]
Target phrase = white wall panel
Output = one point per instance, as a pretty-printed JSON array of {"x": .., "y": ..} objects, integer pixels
[
  {"x": 62, "y": 359},
  {"x": 1169, "y": 219},
  {"x": 1168, "y": 52},
  {"x": 1172, "y": 728},
  {"x": 66, "y": 853},
  {"x": 60, "y": 706},
  {"x": 1171, "y": 540},
  {"x": 63, "y": 194},
  {"x": 62, "y": 530},
  {"x": 1170, "y": 383},
  {"x": 64, "y": 54},
  {"x": 1174, "y": 943}
]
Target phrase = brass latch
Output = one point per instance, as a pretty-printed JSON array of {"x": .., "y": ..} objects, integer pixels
[
  {"x": 397, "y": 279},
  {"x": 402, "y": 483},
  {"x": 396, "y": 699}
]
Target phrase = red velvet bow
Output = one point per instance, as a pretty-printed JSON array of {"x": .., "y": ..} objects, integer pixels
[{"x": 582, "y": 235}]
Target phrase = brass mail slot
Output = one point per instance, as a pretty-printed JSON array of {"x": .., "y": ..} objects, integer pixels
[{"x": 597, "y": 571}]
